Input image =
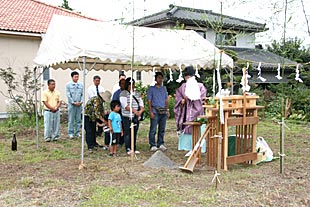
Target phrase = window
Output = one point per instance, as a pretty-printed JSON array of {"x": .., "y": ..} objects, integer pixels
[
  {"x": 46, "y": 73},
  {"x": 138, "y": 76},
  {"x": 229, "y": 39}
]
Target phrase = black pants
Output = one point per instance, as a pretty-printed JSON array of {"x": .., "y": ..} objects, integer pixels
[
  {"x": 107, "y": 138},
  {"x": 99, "y": 129},
  {"x": 127, "y": 133},
  {"x": 90, "y": 128}
]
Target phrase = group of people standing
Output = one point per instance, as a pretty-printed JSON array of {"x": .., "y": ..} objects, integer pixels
[{"x": 126, "y": 105}]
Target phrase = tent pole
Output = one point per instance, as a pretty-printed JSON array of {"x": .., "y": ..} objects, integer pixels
[
  {"x": 36, "y": 104},
  {"x": 132, "y": 125},
  {"x": 81, "y": 166}
]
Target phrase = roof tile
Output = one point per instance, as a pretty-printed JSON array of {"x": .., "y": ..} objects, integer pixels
[{"x": 30, "y": 15}]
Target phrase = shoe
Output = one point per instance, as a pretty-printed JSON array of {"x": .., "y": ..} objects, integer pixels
[
  {"x": 153, "y": 149},
  {"x": 106, "y": 148},
  {"x": 129, "y": 152},
  {"x": 137, "y": 152},
  {"x": 162, "y": 147},
  {"x": 188, "y": 153},
  {"x": 111, "y": 155},
  {"x": 91, "y": 150},
  {"x": 47, "y": 139},
  {"x": 98, "y": 145},
  {"x": 71, "y": 137},
  {"x": 55, "y": 138}
]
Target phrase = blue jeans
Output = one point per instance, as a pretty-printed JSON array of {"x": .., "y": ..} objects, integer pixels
[
  {"x": 51, "y": 124},
  {"x": 160, "y": 120},
  {"x": 74, "y": 120}
]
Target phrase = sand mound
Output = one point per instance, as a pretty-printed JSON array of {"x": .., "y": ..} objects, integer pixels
[{"x": 159, "y": 160}]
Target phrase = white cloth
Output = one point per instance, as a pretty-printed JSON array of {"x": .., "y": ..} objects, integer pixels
[
  {"x": 124, "y": 101},
  {"x": 192, "y": 90},
  {"x": 92, "y": 91}
]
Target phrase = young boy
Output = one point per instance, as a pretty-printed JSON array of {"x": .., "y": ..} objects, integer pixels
[
  {"x": 115, "y": 125},
  {"x": 106, "y": 131}
]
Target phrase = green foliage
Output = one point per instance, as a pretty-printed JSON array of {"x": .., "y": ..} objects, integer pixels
[
  {"x": 19, "y": 91},
  {"x": 171, "y": 104},
  {"x": 232, "y": 54},
  {"x": 179, "y": 26},
  {"x": 65, "y": 5},
  {"x": 143, "y": 90},
  {"x": 131, "y": 195},
  {"x": 291, "y": 49},
  {"x": 298, "y": 96}
]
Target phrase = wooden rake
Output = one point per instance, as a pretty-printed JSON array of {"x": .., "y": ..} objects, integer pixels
[{"x": 194, "y": 157}]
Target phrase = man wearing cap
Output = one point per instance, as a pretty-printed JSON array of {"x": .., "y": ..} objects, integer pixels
[
  {"x": 188, "y": 106},
  {"x": 52, "y": 101},
  {"x": 94, "y": 110}
]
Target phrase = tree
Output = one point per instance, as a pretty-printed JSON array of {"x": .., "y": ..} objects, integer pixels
[
  {"x": 20, "y": 92},
  {"x": 65, "y": 5},
  {"x": 291, "y": 49}
]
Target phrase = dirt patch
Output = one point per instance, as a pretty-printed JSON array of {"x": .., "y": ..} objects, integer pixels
[
  {"x": 49, "y": 176},
  {"x": 160, "y": 160}
]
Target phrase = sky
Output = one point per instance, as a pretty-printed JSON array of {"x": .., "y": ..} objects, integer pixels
[{"x": 270, "y": 12}]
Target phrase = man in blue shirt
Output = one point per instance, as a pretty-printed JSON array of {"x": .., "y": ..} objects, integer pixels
[
  {"x": 74, "y": 91},
  {"x": 157, "y": 98},
  {"x": 117, "y": 93}
]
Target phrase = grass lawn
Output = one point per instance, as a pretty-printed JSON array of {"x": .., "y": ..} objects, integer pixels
[{"x": 49, "y": 176}]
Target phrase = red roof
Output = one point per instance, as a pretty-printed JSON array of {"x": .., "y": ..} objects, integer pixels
[{"x": 30, "y": 15}]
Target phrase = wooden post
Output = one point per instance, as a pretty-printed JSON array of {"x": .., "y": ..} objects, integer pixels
[
  {"x": 282, "y": 147},
  {"x": 132, "y": 143},
  {"x": 225, "y": 140}
]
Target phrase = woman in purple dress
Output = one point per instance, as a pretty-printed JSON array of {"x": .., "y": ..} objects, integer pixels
[{"x": 188, "y": 106}]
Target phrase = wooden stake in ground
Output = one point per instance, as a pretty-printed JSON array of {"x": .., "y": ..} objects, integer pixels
[
  {"x": 132, "y": 126},
  {"x": 219, "y": 161}
]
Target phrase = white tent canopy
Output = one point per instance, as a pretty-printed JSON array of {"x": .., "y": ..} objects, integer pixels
[
  {"x": 111, "y": 46},
  {"x": 102, "y": 46}
]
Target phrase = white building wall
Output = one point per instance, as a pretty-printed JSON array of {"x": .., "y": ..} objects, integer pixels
[
  {"x": 246, "y": 40},
  {"x": 19, "y": 51},
  {"x": 211, "y": 36}
]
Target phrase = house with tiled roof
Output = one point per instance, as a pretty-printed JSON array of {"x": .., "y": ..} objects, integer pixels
[
  {"x": 227, "y": 32},
  {"x": 23, "y": 24}
]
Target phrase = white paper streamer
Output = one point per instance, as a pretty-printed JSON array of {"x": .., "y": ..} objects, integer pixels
[
  {"x": 170, "y": 76},
  {"x": 219, "y": 82},
  {"x": 180, "y": 79},
  {"x": 278, "y": 76},
  {"x": 297, "y": 74},
  {"x": 260, "y": 72},
  {"x": 244, "y": 82},
  {"x": 192, "y": 90},
  {"x": 153, "y": 82},
  {"x": 196, "y": 73}
]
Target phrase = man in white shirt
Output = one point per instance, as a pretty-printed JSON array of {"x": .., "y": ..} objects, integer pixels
[
  {"x": 92, "y": 91},
  {"x": 95, "y": 89},
  {"x": 116, "y": 86}
]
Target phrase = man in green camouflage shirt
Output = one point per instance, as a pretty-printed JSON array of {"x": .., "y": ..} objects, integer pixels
[{"x": 94, "y": 110}]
